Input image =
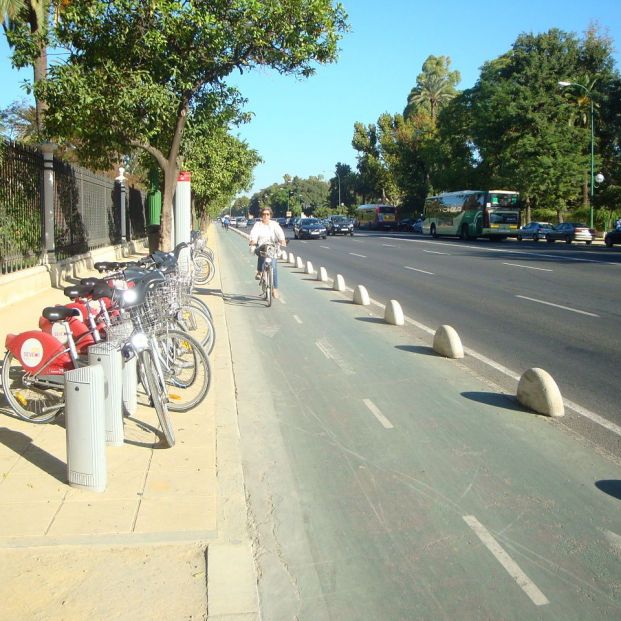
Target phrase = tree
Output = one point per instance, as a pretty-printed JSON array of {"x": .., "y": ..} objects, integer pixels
[
  {"x": 18, "y": 122},
  {"x": 25, "y": 24},
  {"x": 137, "y": 71},
  {"x": 435, "y": 87},
  {"x": 521, "y": 120}
]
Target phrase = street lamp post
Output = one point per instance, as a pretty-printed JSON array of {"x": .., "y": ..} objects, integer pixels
[{"x": 590, "y": 96}]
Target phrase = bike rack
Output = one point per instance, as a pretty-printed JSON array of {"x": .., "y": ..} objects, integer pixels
[
  {"x": 109, "y": 357},
  {"x": 85, "y": 421}
]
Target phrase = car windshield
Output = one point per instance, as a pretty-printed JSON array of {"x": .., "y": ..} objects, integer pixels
[
  {"x": 307, "y": 221},
  {"x": 340, "y": 219}
]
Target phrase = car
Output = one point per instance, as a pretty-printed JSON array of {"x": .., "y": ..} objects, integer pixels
[
  {"x": 405, "y": 224},
  {"x": 534, "y": 231},
  {"x": 309, "y": 228},
  {"x": 241, "y": 222},
  {"x": 282, "y": 222},
  {"x": 569, "y": 232},
  {"x": 613, "y": 237},
  {"x": 417, "y": 227},
  {"x": 340, "y": 225}
]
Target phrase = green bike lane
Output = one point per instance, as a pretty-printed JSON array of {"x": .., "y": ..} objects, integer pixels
[{"x": 385, "y": 482}]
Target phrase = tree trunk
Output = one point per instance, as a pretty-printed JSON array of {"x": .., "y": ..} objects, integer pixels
[
  {"x": 170, "y": 183},
  {"x": 40, "y": 74}
]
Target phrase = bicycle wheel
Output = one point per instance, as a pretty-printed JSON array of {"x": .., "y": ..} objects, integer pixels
[
  {"x": 194, "y": 300},
  {"x": 29, "y": 399},
  {"x": 195, "y": 322},
  {"x": 269, "y": 286},
  {"x": 186, "y": 369},
  {"x": 156, "y": 390},
  {"x": 204, "y": 269}
]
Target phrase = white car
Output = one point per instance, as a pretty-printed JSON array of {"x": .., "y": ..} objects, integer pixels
[{"x": 242, "y": 223}]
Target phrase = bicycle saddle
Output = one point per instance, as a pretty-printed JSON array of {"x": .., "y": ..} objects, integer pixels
[
  {"x": 77, "y": 291},
  {"x": 58, "y": 313}
]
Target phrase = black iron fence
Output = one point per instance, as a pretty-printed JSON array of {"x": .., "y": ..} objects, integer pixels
[
  {"x": 21, "y": 223},
  {"x": 87, "y": 209}
]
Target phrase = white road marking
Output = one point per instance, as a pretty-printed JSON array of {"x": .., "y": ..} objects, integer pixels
[
  {"x": 528, "y": 267},
  {"x": 378, "y": 414},
  {"x": 297, "y": 319},
  {"x": 436, "y": 252},
  {"x": 512, "y": 568},
  {"x": 578, "y": 409},
  {"x": 573, "y": 310},
  {"x": 389, "y": 245},
  {"x": 407, "y": 267},
  {"x": 482, "y": 248},
  {"x": 332, "y": 354},
  {"x": 326, "y": 247},
  {"x": 362, "y": 256}
]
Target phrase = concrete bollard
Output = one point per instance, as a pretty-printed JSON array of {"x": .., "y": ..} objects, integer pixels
[
  {"x": 393, "y": 313},
  {"x": 322, "y": 275},
  {"x": 339, "y": 283},
  {"x": 446, "y": 342},
  {"x": 309, "y": 268},
  {"x": 538, "y": 391},
  {"x": 299, "y": 263},
  {"x": 291, "y": 258},
  {"x": 361, "y": 296}
]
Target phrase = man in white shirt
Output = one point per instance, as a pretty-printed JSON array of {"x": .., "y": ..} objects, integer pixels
[{"x": 266, "y": 231}]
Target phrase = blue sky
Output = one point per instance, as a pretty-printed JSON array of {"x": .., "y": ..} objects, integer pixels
[{"x": 305, "y": 127}]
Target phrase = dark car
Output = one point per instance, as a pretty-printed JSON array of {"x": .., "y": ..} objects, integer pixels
[
  {"x": 569, "y": 232},
  {"x": 340, "y": 225},
  {"x": 411, "y": 225},
  {"x": 282, "y": 222},
  {"x": 309, "y": 228},
  {"x": 534, "y": 231},
  {"x": 613, "y": 237}
]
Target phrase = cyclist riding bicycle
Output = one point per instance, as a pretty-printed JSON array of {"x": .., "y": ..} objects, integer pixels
[{"x": 266, "y": 231}]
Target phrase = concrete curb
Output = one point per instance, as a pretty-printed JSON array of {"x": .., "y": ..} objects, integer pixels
[
  {"x": 446, "y": 342},
  {"x": 538, "y": 391},
  {"x": 361, "y": 296}
]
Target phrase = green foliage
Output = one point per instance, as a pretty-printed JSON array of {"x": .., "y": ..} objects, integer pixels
[
  {"x": 515, "y": 129},
  {"x": 295, "y": 195},
  {"x": 137, "y": 72}
]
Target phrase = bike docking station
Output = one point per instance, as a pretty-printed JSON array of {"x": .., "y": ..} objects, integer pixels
[
  {"x": 109, "y": 357},
  {"x": 84, "y": 422},
  {"x": 95, "y": 398}
]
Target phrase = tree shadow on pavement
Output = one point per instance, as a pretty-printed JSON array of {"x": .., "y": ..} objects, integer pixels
[
  {"x": 612, "y": 487},
  {"x": 22, "y": 444},
  {"x": 497, "y": 399}
]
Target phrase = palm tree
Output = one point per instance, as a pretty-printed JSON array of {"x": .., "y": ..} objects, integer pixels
[
  {"x": 432, "y": 92},
  {"x": 33, "y": 13}
]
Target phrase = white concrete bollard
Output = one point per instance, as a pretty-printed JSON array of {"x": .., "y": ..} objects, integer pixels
[
  {"x": 446, "y": 342},
  {"x": 291, "y": 258},
  {"x": 322, "y": 275},
  {"x": 309, "y": 268},
  {"x": 361, "y": 296},
  {"x": 538, "y": 391},
  {"x": 393, "y": 313},
  {"x": 299, "y": 263},
  {"x": 339, "y": 283}
]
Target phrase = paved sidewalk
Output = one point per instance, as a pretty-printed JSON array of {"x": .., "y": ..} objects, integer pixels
[{"x": 166, "y": 540}]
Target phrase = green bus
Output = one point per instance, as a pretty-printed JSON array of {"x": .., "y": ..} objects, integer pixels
[{"x": 469, "y": 214}]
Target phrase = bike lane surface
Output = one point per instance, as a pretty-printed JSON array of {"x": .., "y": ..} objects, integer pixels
[{"x": 387, "y": 482}]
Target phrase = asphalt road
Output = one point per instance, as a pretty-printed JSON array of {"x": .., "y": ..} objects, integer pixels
[
  {"x": 385, "y": 482},
  {"x": 522, "y": 305}
]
